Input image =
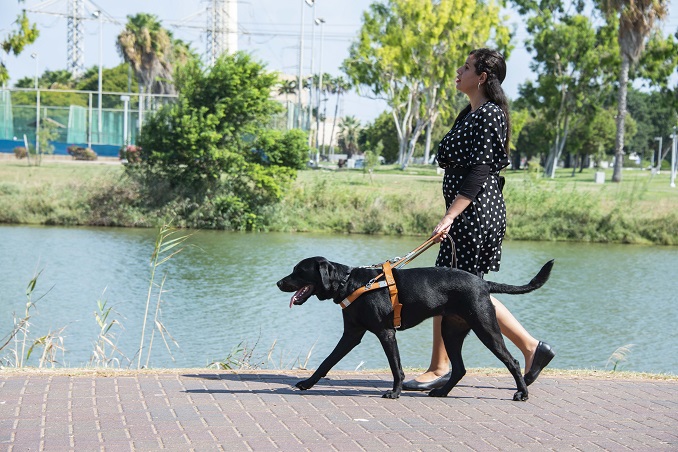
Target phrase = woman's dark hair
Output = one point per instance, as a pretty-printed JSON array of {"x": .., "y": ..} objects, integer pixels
[{"x": 493, "y": 64}]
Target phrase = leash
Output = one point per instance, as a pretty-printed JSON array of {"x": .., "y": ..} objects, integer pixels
[{"x": 387, "y": 273}]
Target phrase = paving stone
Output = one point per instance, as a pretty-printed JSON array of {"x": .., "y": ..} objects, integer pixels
[{"x": 202, "y": 410}]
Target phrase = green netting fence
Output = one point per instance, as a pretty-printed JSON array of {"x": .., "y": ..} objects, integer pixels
[{"x": 75, "y": 116}]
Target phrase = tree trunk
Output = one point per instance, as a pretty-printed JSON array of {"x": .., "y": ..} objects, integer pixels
[
  {"x": 334, "y": 123},
  {"x": 427, "y": 150},
  {"x": 621, "y": 116},
  {"x": 410, "y": 146}
]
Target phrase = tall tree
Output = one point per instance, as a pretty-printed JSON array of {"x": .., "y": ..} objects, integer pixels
[
  {"x": 209, "y": 148},
  {"x": 17, "y": 40},
  {"x": 569, "y": 57},
  {"x": 147, "y": 47},
  {"x": 636, "y": 19},
  {"x": 340, "y": 86},
  {"x": 408, "y": 51},
  {"x": 349, "y": 132},
  {"x": 286, "y": 88}
]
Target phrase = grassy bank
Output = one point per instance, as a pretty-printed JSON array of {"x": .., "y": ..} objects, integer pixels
[{"x": 641, "y": 209}]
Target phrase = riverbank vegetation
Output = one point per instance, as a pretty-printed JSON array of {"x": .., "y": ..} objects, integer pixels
[{"x": 643, "y": 209}]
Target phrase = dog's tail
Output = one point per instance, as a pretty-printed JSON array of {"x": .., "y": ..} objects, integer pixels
[{"x": 535, "y": 284}]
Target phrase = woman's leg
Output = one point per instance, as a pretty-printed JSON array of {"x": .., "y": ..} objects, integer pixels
[
  {"x": 515, "y": 332},
  {"x": 440, "y": 363},
  {"x": 510, "y": 327}
]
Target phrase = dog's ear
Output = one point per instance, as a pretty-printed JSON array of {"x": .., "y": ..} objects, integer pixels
[{"x": 325, "y": 268}]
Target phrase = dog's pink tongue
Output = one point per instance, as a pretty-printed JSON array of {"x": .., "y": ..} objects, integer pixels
[{"x": 296, "y": 295}]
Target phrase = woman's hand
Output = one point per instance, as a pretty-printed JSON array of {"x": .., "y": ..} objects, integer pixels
[
  {"x": 443, "y": 228},
  {"x": 458, "y": 205}
]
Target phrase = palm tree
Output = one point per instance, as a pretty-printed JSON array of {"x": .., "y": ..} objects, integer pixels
[
  {"x": 321, "y": 84},
  {"x": 327, "y": 89},
  {"x": 636, "y": 18},
  {"x": 147, "y": 47},
  {"x": 286, "y": 88},
  {"x": 339, "y": 87},
  {"x": 349, "y": 129}
]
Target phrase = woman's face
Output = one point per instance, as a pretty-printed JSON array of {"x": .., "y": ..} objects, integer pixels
[{"x": 467, "y": 79}]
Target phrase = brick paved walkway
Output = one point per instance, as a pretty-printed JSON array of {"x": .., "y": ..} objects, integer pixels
[{"x": 205, "y": 410}]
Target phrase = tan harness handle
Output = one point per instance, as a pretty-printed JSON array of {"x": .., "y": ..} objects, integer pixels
[{"x": 390, "y": 281}]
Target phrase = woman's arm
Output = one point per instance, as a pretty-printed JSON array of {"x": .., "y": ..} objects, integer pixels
[
  {"x": 473, "y": 183},
  {"x": 459, "y": 204}
]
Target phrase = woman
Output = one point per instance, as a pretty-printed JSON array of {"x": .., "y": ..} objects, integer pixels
[{"x": 472, "y": 154}]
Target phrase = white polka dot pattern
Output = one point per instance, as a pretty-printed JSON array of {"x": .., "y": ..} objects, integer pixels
[{"x": 478, "y": 232}]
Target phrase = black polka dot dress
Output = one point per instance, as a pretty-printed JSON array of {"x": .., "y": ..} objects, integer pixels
[{"x": 478, "y": 232}]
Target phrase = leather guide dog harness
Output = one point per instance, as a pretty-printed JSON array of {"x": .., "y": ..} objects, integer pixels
[{"x": 389, "y": 281}]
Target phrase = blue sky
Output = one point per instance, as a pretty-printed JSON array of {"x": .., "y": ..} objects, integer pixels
[{"x": 269, "y": 29}]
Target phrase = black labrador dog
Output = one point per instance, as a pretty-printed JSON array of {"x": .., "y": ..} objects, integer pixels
[{"x": 463, "y": 299}]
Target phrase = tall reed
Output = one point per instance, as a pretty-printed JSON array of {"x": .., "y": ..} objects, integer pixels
[
  {"x": 166, "y": 247},
  {"x": 51, "y": 343},
  {"x": 106, "y": 351}
]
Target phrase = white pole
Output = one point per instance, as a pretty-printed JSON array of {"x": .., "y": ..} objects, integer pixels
[
  {"x": 37, "y": 126},
  {"x": 320, "y": 21},
  {"x": 89, "y": 122},
  {"x": 674, "y": 145},
  {"x": 35, "y": 80},
  {"x": 310, "y": 91},
  {"x": 34, "y": 55},
  {"x": 101, "y": 54},
  {"x": 659, "y": 156},
  {"x": 125, "y": 100},
  {"x": 300, "y": 81}
]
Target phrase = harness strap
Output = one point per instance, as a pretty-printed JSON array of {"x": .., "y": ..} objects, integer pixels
[
  {"x": 372, "y": 285},
  {"x": 346, "y": 302},
  {"x": 393, "y": 292},
  {"x": 390, "y": 281}
]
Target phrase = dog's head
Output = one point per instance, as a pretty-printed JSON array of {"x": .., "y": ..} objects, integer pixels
[{"x": 312, "y": 276}]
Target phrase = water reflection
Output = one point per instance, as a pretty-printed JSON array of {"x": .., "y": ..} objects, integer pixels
[{"x": 221, "y": 293}]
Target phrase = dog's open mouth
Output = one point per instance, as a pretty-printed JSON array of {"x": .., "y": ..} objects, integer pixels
[{"x": 301, "y": 295}]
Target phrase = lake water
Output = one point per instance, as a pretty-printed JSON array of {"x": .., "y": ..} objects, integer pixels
[{"x": 221, "y": 295}]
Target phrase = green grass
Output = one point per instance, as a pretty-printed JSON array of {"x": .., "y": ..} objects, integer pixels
[{"x": 643, "y": 208}]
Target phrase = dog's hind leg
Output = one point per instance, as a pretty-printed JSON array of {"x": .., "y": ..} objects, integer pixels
[
  {"x": 490, "y": 335},
  {"x": 348, "y": 341},
  {"x": 387, "y": 337},
  {"x": 454, "y": 331}
]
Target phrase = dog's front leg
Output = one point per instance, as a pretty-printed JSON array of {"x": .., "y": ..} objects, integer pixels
[
  {"x": 347, "y": 343},
  {"x": 387, "y": 337}
]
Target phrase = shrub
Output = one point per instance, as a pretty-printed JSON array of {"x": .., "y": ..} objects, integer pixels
[
  {"x": 20, "y": 152},
  {"x": 131, "y": 153},
  {"x": 80, "y": 153}
]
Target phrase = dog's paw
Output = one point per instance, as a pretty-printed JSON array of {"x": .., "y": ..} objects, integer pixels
[
  {"x": 520, "y": 396},
  {"x": 391, "y": 395},
  {"x": 304, "y": 385},
  {"x": 439, "y": 392}
]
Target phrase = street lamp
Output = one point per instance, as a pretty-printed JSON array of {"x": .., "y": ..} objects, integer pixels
[
  {"x": 300, "y": 80},
  {"x": 659, "y": 156},
  {"x": 311, "y": 3},
  {"x": 97, "y": 15},
  {"x": 319, "y": 21}
]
